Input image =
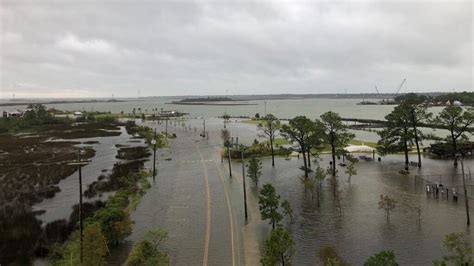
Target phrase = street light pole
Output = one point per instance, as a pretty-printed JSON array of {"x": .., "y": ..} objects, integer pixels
[{"x": 243, "y": 180}]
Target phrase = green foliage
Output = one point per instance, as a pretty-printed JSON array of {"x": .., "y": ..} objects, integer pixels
[
  {"x": 383, "y": 258},
  {"x": 398, "y": 134},
  {"x": 254, "y": 169},
  {"x": 351, "y": 170},
  {"x": 335, "y": 134},
  {"x": 460, "y": 250},
  {"x": 94, "y": 246},
  {"x": 464, "y": 97},
  {"x": 269, "y": 201},
  {"x": 37, "y": 115},
  {"x": 278, "y": 248},
  {"x": 457, "y": 121},
  {"x": 146, "y": 252}
]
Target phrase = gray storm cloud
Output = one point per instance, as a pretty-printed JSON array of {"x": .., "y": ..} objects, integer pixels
[{"x": 90, "y": 49}]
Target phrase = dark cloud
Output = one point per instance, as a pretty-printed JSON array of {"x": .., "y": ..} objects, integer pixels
[{"x": 86, "y": 48}]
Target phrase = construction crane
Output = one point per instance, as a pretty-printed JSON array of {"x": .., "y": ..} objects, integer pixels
[
  {"x": 400, "y": 87},
  {"x": 378, "y": 92}
]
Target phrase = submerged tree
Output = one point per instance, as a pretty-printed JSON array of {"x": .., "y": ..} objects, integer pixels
[
  {"x": 269, "y": 201},
  {"x": 351, "y": 169},
  {"x": 387, "y": 204},
  {"x": 385, "y": 258},
  {"x": 336, "y": 134},
  {"x": 269, "y": 128},
  {"x": 287, "y": 210},
  {"x": 300, "y": 129},
  {"x": 457, "y": 121},
  {"x": 278, "y": 248},
  {"x": 254, "y": 169},
  {"x": 397, "y": 136}
]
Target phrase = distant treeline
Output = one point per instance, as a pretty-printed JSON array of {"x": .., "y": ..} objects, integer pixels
[
  {"x": 206, "y": 99},
  {"x": 466, "y": 98}
]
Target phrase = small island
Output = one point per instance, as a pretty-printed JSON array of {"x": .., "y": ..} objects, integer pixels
[{"x": 218, "y": 101}]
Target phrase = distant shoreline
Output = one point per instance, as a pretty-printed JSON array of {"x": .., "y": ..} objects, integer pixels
[
  {"x": 60, "y": 102},
  {"x": 210, "y": 103}
]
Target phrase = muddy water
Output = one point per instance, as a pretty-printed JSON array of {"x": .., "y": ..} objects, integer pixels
[{"x": 177, "y": 203}]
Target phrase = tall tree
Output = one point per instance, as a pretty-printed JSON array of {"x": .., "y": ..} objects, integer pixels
[
  {"x": 254, "y": 169},
  {"x": 418, "y": 114},
  {"x": 269, "y": 128},
  {"x": 300, "y": 130},
  {"x": 457, "y": 121},
  {"x": 269, "y": 201},
  {"x": 336, "y": 134},
  {"x": 397, "y": 136},
  {"x": 278, "y": 248}
]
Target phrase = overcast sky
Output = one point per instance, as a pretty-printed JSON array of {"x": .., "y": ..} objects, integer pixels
[{"x": 82, "y": 48}]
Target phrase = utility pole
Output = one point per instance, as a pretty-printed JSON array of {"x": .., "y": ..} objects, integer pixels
[
  {"x": 153, "y": 142},
  {"x": 466, "y": 200},
  {"x": 243, "y": 180},
  {"x": 166, "y": 127},
  {"x": 229, "y": 159},
  {"x": 80, "y": 200},
  {"x": 79, "y": 164}
]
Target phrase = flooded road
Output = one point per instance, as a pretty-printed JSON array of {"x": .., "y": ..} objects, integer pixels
[{"x": 192, "y": 187}]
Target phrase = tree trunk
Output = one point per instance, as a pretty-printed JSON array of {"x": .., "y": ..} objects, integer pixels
[
  {"x": 309, "y": 158},
  {"x": 273, "y": 153},
  {"x": 333, "y": 152},
  {"x": 416, "y": 137},
  {"x": 455, "y": 149},
  {"x": 303, "y": 148},
  {"x": 405, "y": 142}
]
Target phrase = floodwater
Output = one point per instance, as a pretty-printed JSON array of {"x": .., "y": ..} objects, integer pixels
[
  {"x": 287, "y": 108},
  {"x": 60, "y": 206},
  {"x": 177, "y": 203}
]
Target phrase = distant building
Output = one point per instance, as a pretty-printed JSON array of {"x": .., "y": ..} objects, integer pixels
[
  {"x": 14, "y": 113},
  {"x": 78, "y": 114}
]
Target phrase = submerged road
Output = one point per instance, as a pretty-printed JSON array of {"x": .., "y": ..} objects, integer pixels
[{"x": 193, "y": 200}]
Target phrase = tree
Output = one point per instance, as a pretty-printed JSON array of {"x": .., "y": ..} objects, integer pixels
[
  {"x": 459, "y": 248},
  {"x": 387, "y": 204},
  {"x": 457, "y": 121},
  {"x": 254, "y": 169},
  {"x": 278, "y": 248},
  {"x": 329, "y": 257},
  {"x": 351, "y": 170},
  {"x": 336, "y": 134},
  {"x": 319, "y": 175},
  {"x": 269, "y": 128},
  {"x": 385, "y": 258},
  {"x": 418, "y": 113},
  {"x": 94, "y": 246},
  {"x": 269, "y": 201},
  {"x": 115, "y": 223},
  {"x": 397, "y": 136},
  {"x": 287, "y": 210},
  {"x": 146, "y": 252},
  {"x": 225, "y": 136},
  {"x": 299, "y": 129}
]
